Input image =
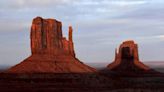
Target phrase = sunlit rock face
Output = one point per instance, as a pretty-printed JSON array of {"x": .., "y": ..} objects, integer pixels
[
  {"x": 51, "y": 52},
  {"x": 47, "y": 38},
  {"x": 127, "y": 58}
]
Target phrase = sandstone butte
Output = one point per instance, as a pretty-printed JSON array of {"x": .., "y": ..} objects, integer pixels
[
  {"x": 127, "y": 58},
  {"x": 50, "y": 51}
]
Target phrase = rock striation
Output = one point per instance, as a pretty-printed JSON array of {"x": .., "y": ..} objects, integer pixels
[
  {"x": 51, "y": 52},
  {"x": 47, "y": 38},
  {"x": 127, "y": 58}
]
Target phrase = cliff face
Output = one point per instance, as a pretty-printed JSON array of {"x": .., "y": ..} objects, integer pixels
[
  {"x": 127, "y": 58},
  {"x": 47, "y": 38},
  {"x": 51, "y": 52}
]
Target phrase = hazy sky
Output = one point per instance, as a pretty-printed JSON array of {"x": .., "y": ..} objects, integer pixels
[{"x": 99, "y": 27}]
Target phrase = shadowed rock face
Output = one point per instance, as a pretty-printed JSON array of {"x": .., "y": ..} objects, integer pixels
[
  {"x": 127, "y": 58},
  {"x": 51, "y": 52}
]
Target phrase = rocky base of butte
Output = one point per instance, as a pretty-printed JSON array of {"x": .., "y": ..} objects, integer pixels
[{"x": 51, "y": 52}]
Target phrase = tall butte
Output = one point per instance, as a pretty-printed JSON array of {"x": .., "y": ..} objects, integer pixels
[
  {"x": 127, "y": 58},
  {"x": 51, "y": 52}
]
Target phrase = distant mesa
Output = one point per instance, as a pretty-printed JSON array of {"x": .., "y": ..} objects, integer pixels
[
  {"x": 51, "y": 52},
  {"x": 127, "y": 58}
]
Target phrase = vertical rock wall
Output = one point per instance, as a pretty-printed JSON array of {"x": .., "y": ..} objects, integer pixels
[{"x": 47, "y": 38}]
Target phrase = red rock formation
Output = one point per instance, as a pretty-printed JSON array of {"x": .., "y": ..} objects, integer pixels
[
  {"x": 68, "y": 44},
  {"x": 71, "y": 46},
  {"x": 51, "y": 52},
  {"x": 47, "y": 38},
  {"x": 127, "y": 58}
]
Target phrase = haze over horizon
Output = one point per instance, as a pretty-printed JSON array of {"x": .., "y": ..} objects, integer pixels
[{"x": 99, "y": 27}]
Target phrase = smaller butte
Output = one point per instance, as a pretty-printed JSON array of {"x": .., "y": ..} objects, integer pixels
[{"x": 127, "y": 58}]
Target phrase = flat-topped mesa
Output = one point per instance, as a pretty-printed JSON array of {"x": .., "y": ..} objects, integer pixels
[
  {"x": 47, "y": 38},
  {"x": 127, "y": 56}
]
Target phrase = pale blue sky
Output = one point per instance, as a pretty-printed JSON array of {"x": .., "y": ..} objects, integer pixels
[{"x": 99, "y": 27}]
